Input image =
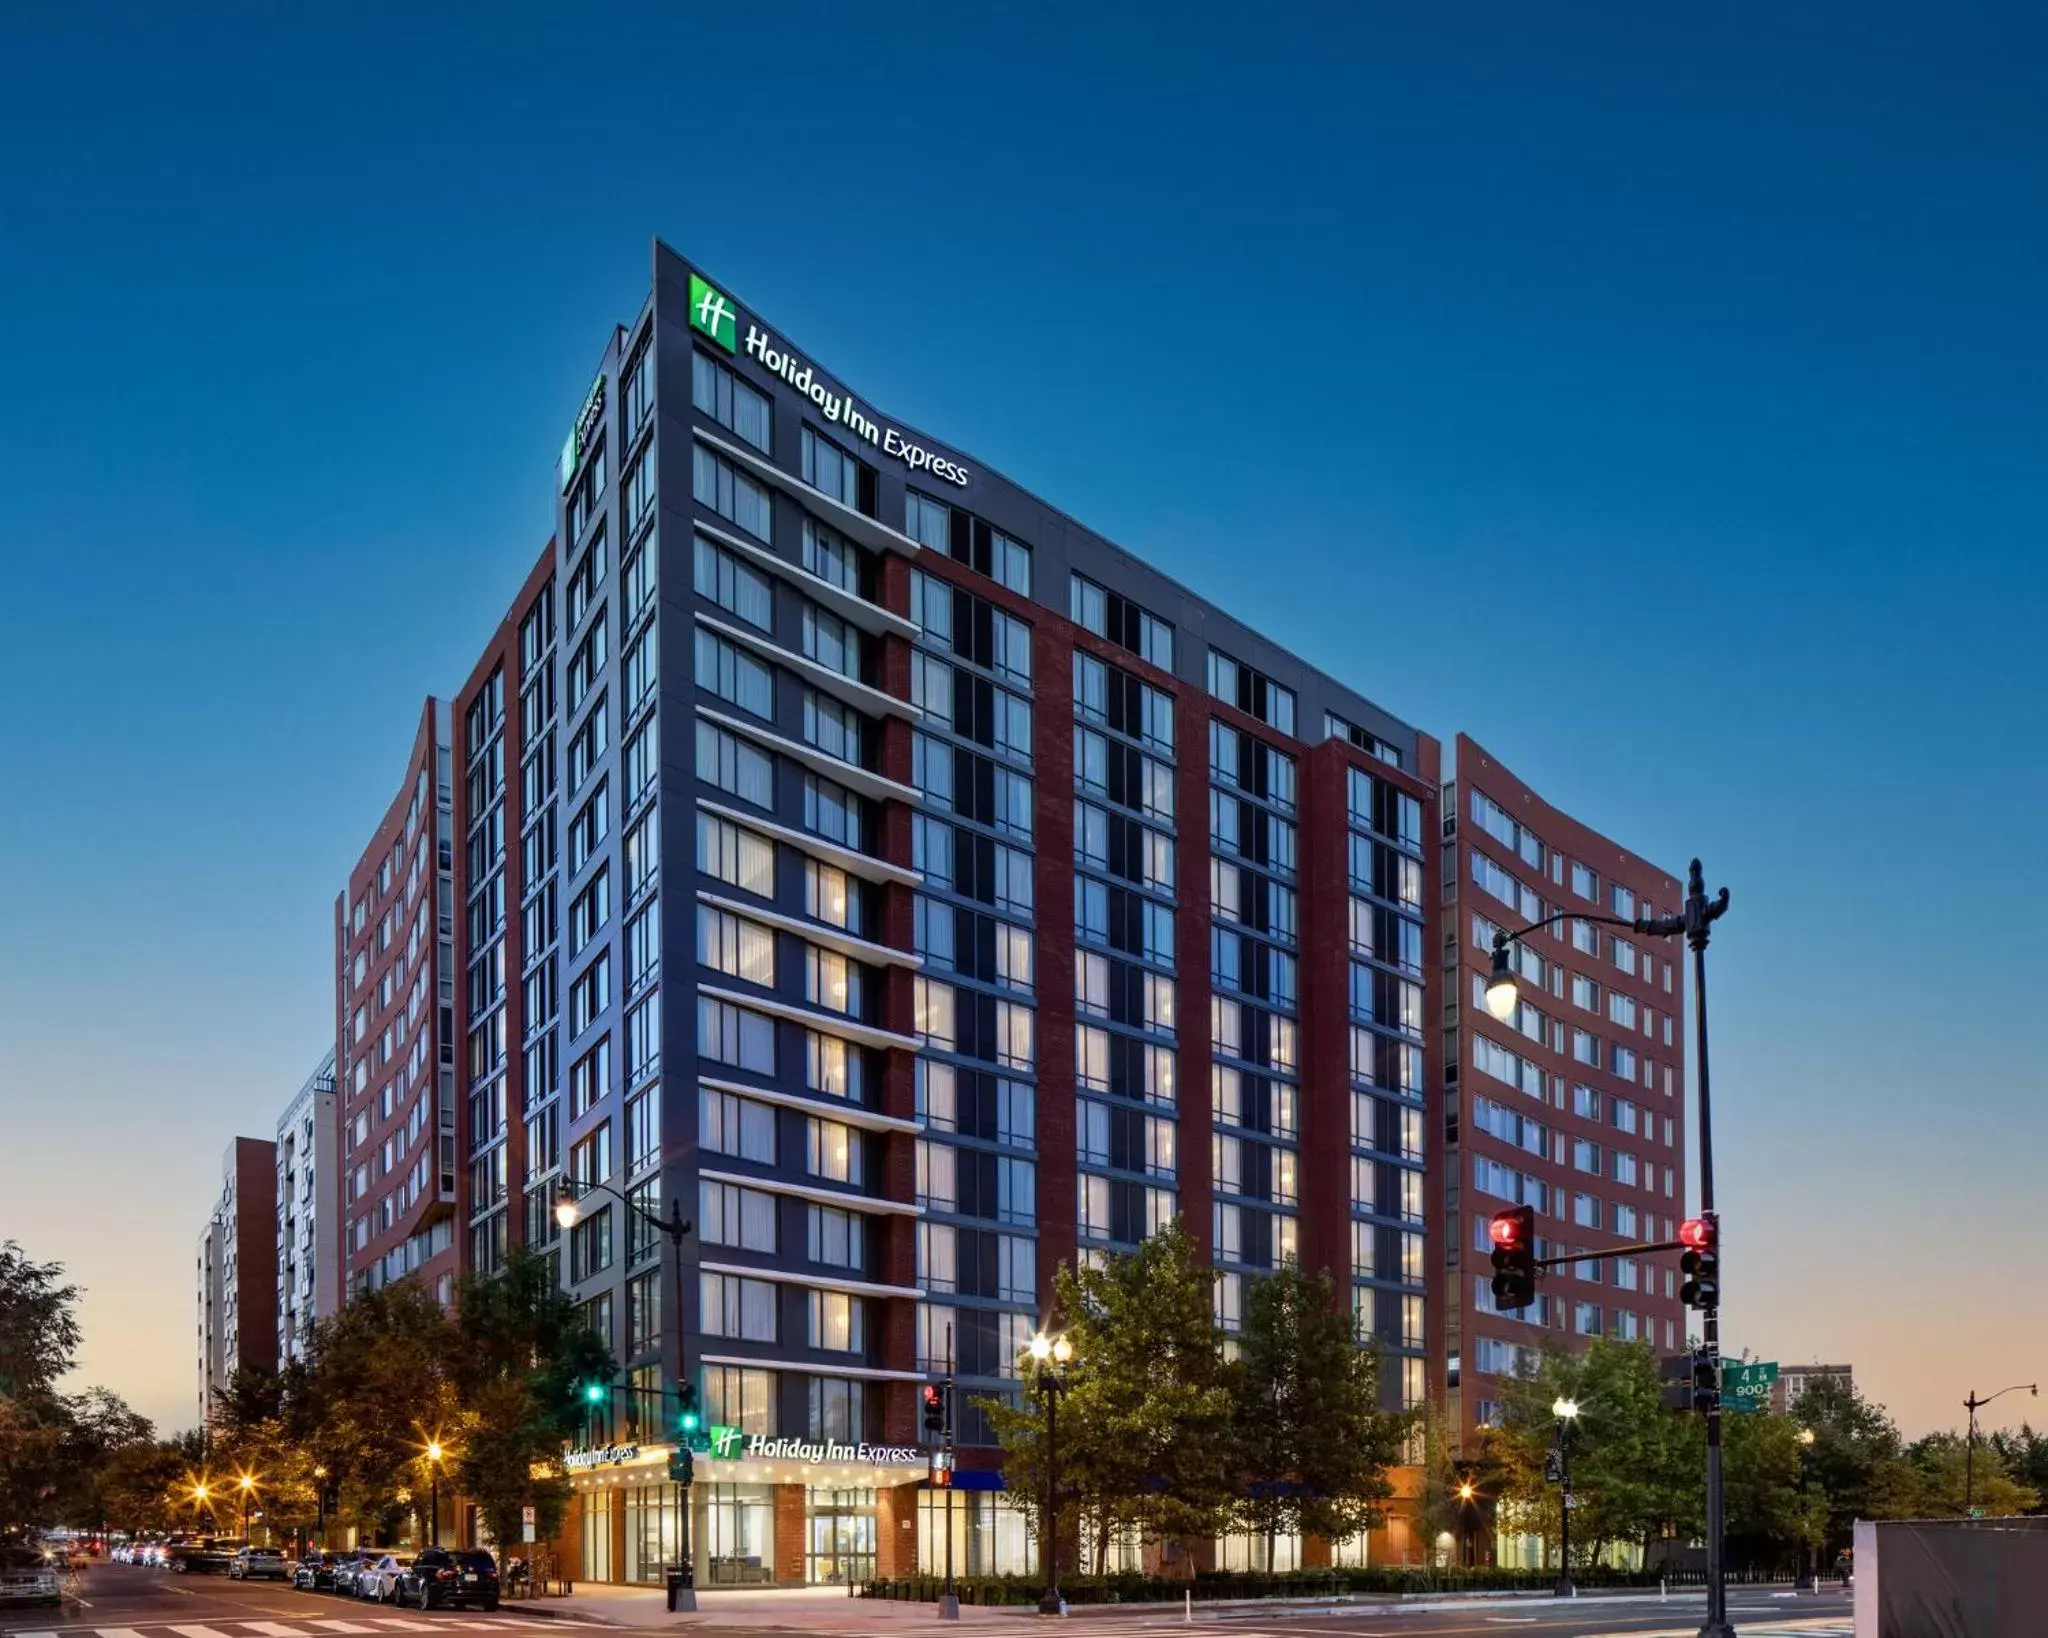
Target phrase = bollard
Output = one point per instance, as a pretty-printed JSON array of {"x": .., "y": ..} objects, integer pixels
[
  {"x": 1188, "y": 1608},
  {"x": 1663, "y": 1588}
]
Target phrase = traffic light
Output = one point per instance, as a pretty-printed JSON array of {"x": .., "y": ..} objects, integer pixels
[
  {"x": 1706, "y": 1381},
  {"x": 934, "y": 1412},
  {"x": 1701, "y": 1263},
  {"x": 1514, "y": 1257},
  {"x": 593, "y": 1393},
  {"x": 682, "y": 1465},
  {"x": 688, "y": 1418}
]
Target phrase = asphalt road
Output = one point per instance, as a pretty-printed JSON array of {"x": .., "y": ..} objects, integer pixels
[{"x": 127, "y": 1601}]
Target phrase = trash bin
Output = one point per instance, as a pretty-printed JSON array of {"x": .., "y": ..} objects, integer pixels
[{"x": 679, "y": 1581}]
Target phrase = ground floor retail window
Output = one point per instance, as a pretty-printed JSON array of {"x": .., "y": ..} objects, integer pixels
[
  {"x": 1255, "y": 1550},
  {"x": 737, "y": 1526},
  {"x": 597, "y": 1536},
  {"x": 839, "y": 1528},
  {"x": 989, "y": 1535},
  {"x": 654, "y": 1537},
  {"x": 1350, "y": 1553}
]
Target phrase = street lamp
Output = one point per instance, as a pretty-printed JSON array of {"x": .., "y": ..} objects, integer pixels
[
  {"x": 1466, "y": 1492},
  {"x": 320, "y": 1500},
  {"x": 1694, "y": 923},
  {"x": 246, "y": 1483},
  {"x": 1973, "y": 1405},
  {"x": 1566, "y": 1410},
  {"x": 1809, "y": 1578},
  {"x": 434, "y": 1491},
  {"x": 1051, "y": 1356},
  {"x": 675, "y": 1227}
]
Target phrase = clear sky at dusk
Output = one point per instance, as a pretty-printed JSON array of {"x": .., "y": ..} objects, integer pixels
[{"x": 1659, "y": 396}]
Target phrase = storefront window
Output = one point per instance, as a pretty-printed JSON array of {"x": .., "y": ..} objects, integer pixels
[
  {"x": 1255, "y": 1550},
  {"x": 989, "y": 1536},
  {"x": 840, "y": 1528},
  {"x": 597, "y": 1536},
  {"x": 1350, "y": 1553},
  {"x": 736, "y": 1523},
  {"x": 653, "y": 1532}
]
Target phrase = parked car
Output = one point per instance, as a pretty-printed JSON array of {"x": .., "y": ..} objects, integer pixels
[
  {"x": 349, "y": 1566},
  {"x": 448, "y": 1575},
  {"x": 315, "y": 1572},
  {"x": 27, "y": 1577},
  {"x": 379, "y": 1580},
  {"x": 258, "y": 1564}
]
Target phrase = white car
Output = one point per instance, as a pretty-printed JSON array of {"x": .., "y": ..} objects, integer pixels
[{"x": 379, "y": 1582}]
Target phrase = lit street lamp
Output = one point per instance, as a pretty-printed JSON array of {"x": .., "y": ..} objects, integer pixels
[
  {"x": 1973, "y": 1405},
  {"x": 1465, "y": 1552},
  {"x": 246, "y": 1483},
  {"x": 1051, "y": 1356},
  {"x": 1809, "y": 1577},
  {"x": 320, "y": 1500},
  {"x": 675, "y": 1226},
  {"x": 1694, "y": 923},
  {"x": 434, "y": 1491},
  {"x": 1567, "y": 1413}
]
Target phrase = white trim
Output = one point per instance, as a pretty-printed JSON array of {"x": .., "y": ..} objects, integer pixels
[
  {"x": 817, "y": 1368},
  {"x": 777, "y": 1276},
  {"x": 864, "y": 865},
  {"x": 870, "y": 617},
  {"x": 849, "y": 690},
  {"x": 821, "y": 933},
  {"x": 870, "y": 532},
  {"x": 824, "y": 1197},
  {"x": 850, "y": 1114},
  {"x": 829, "y": 1023},
  {"x": 878, "y": 786}
]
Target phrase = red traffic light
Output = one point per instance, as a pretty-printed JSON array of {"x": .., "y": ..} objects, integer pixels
[
  {"x": 1508, "y": 1229},
  {"x": 1699, "y": 1233},
  {"x": 931, "y": 1394}
]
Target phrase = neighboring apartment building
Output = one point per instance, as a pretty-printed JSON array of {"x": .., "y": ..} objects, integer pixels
[
  {"x": 931, "y": 893},
  {"x": 1577, "y": 1105},
  {"x": 308, "y": 1213},
  {"x": 237, "y": 1272},
  {"x": 1794, "y": 1380},
  {"x": 394, "y": 1034}
]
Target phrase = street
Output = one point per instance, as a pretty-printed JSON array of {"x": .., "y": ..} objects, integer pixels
[{"x": 126, "y": 1601}]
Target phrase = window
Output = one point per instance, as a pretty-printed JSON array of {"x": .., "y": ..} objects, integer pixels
[
  {"x": 729, "y": 492},
  {"x": 835, "y": 1410},
  {"x": 734, "y": 675},
  {"x": 732, "y": 1216},
  {"x": 830, "y": 556},
  {"x": 832, "y": 727},
  {"x": 837, "y": 1238},
  {"x": 735, "y": 765},
  {"x": 832, "y": 642},
  {"x": 1122, "y": 621},
  {"x": 590, "y": 992},
  {"x": 739, "y": 1397},
  {"x": 590, "y": 1078},
  {"x": 829, "y": 468},
  {"x": 728, "y": 1124},
  {"x": 729, "y": 401},
  {"x": 736, "y": 946},
  {"x": 1251, "y": 691},
  {"x": 735, "y": 855},
  {"x": 833, "y": 811},
  {"x": 733, "y": 1306},
  {"x": 734, "y": 586},
  {"x": 832, "y": 1150},
  {"x": 735, "y": 1035},
  {"x": 835, "y": 1322},
  {"x": 637, "y": 490},
  {"x": 830, "y": 896},
  {"x": 588, "y": 745},
  {"x": 643, "y": 757}
]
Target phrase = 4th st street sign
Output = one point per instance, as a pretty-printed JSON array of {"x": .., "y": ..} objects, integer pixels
[{"x": 1747, "y": 1387}]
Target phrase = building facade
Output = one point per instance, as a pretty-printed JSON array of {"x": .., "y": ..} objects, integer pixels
[
  {"x": 394, "y": 1022},
  {"x": 1576, "y": 1106},
  {"x": 932, "y": 893},
  {"x": 237, "y": 1272},
  {"x": 1794, "y": 1380},
  {"x": 308, "y": 1212}
]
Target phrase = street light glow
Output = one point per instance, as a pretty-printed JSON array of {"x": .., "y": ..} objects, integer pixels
[
  {"x": 1041, "y": 1347},
  {"x": 1565, "y": 1410},
  {"x": 1806, "y": 1436},
  {"x": 247, "y": 1481},
  {"x": 1465, "y": 1491},
  {"x": 433, "y": 1450},
  {"x": 1062, "y": 1350},
  {"x": 566, "y": 1209},
  {"x": 1502, "y": 995}
]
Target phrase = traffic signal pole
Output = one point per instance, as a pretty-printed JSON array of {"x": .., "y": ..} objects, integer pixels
[{"x": 1698, "y": 917}]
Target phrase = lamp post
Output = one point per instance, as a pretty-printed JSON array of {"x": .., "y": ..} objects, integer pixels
[
  {"x": 1809, "y": 1580},
  {"x": 674, "y": 1227},
  {"x": 1465, "y": 1545},
  {"x": 1051, "y": 1356},
  {"x": 1973, "y": 1405},
  {"x": 1694, "y": 923},
  {"x": 1567, "y": 1413},
  {"x": 320, "y": 1502},
  {"x": 434, "y": 1492},
  {"x": 246, "y": 1483}
]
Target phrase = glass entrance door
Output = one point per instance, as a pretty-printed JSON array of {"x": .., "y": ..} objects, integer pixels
[{"x": 840, "y": 1537}]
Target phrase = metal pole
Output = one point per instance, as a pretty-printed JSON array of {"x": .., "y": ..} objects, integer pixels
[
  {"x": 1565, "y": 1589},
  {"x": 1700, "y": 915},
  {"x": 434, "y": 1505},
  {"x": 1970, "y": 1456},
  {"x": 1048, "y": 1538},
  {"x": 949, "y": 1602},
  {"x": 676, "y": 1228}
]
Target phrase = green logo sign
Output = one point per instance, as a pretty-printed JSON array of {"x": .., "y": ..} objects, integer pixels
[
  {"x": 713, "y": 313},
  {"x": 726, "y": 1442}
]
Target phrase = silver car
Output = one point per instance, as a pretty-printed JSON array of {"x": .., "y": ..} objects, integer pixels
[{"x": 379, "y": 1581}]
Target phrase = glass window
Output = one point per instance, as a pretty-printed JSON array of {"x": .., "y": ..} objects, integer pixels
[{"x": 729, "y": 401}]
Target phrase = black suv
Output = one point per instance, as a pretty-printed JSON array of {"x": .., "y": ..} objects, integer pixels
[{"x": 448, "y": 1575}]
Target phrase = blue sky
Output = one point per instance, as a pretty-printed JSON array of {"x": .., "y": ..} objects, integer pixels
[{"x": 1656, "y": 398}]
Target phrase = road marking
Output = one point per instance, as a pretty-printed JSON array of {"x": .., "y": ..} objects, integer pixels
[
  {"x": 344, "y": 1626},
  {"x": 199, "y": 1632},
  {"x": 397, "y": 1625},
  {"x": 271, "y": 1629}
]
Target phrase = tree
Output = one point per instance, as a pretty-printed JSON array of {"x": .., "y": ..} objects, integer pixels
[
  {"x": 38, "y": 1325},
  {"x": 1312, "y": 1445},
  {"x": 2024, "y": 1456},
  {"x": 1857, "y": 1461},
  {"x": 524, "y": 1348},
  {"x": 1144, "y": 1424},
  {"x": 1946, "y": 1483},
  {"x": 1767, "y": 1518},
  {"x": 1440, "y": 1509}
]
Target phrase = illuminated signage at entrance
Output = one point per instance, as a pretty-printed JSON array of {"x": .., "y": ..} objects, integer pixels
[
  {"x": 713, "y": 313},
  {"x": 731, "y": 1445},
  {"x": 600, "y": 1456}
]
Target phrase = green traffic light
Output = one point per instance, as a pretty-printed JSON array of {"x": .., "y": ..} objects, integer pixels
[
  {"x": 593, "y": 1391},
  {"x": 689, "y": 1421}
]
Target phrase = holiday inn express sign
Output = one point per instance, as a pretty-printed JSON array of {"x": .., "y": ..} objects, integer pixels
[
  {"x": 713, "y": 314},
  {"x": 731, "y": 1445}
]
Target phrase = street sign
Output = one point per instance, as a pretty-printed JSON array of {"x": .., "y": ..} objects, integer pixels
[
  {"x": 526, "y": 1523},
  {"x": 1553, "y": 1467},
  {"x": 1747, "y": 1387}
]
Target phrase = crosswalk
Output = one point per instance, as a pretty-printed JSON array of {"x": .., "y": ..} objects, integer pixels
[{"x": 313, "y": 1627}]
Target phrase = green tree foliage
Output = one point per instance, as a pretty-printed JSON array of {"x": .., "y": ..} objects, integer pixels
[
  {"x": 2024, "y": 1456},
  {"x": 1942, "y": 1477},
  {"x": 1312, "y": 1445},
  {"x": 38, "y": 1326},
  {"x": 1144, "y": 1424},
  {"x": 1767, "y": 1517},
  {"x": 1857, "y": 1459}
]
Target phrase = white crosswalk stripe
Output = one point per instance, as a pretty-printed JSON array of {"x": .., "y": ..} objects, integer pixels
[
  {"x": 343, "y": 1626},
  {"x": 199, "y": 1632}
]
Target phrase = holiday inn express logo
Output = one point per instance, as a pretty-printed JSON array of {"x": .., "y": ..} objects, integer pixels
[{"x": 713, "y": 312}]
